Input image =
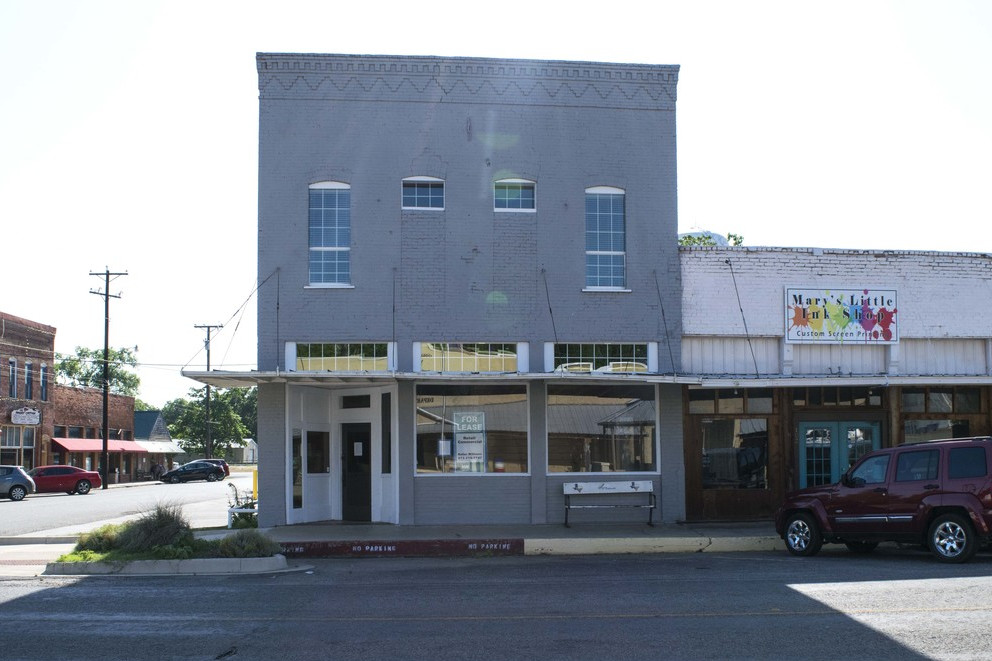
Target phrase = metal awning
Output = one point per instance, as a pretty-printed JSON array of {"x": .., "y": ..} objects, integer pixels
[
  {"x": 96, "y": 445},
  {"x": 221, "y": 379},
  {"x": 161, "y": 447}
]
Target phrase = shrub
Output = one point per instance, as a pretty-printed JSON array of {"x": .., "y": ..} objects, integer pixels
[
  {"x": 247, "y": 544},
  {"x": 164, "y": 526},
  {"x": 101, "y": 540}
]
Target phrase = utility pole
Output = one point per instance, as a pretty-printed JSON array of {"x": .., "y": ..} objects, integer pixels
[
  {"x": 208, "y": 446},
  {"x": 105, "y": 460}
]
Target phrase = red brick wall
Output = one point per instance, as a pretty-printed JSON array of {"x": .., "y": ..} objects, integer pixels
[{"x": 83, "y": 407}]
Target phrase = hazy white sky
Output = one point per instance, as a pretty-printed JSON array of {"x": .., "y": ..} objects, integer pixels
[{"x": 128, "y": 137}]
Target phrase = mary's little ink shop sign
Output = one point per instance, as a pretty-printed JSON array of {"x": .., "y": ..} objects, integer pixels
[{"x": 836, "y": 316}]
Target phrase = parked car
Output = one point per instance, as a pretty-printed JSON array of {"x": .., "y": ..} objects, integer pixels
[
  {"x": 194, "y": 470},
  {"x": 935, "y": 494},
  {"x": 222, "y": 464},
  {"x": 70, "y": 479},
  {"x": 15, "y": 483}
]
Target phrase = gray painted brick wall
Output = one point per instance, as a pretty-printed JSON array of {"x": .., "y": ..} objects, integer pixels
[{"x": 467, "y": 273}]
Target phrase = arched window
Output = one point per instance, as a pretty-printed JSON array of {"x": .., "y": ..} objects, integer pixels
[
  {"x": 330, "y": 233},
  {"x": 606, "y": 238}
]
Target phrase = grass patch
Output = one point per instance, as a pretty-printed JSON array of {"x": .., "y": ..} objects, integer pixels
[{"x": 164, "y": 534}]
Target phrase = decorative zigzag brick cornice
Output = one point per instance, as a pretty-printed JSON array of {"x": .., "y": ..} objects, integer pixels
[{"x": 466, "y": 80}]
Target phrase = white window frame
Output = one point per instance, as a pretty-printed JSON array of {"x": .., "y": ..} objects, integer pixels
[
  {"x": 607, "y": 190},
  {"x": 522, "y": 182},
  {"x": 328, "y": 185},
  {"x": 290, "y": 354},
  {"x": 523, "y": 356},
  {"x": 422, "y": 180},
  {"x": 549, "y": 359}
]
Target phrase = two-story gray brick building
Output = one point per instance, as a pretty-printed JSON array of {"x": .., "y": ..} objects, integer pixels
[{"x": 470, "y": 286}]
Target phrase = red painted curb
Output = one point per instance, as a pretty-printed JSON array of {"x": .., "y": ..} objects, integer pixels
[{"x": 404, "y": 548}]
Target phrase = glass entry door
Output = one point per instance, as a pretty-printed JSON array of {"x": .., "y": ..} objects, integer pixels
[{"x": 827, "y": 449}]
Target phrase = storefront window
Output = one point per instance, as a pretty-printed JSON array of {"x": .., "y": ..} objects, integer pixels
[
  {"x": 601, "y": 429},
  {"x": 471, "y": 429},
  {"x": 917, "y": 431},
  {"x": 735, "y": 453}
]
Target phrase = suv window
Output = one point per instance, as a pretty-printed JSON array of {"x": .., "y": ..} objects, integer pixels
[
  {"x": 966, "y": 462},
  {"x": 872, "y": 471},
  {"x": 917, "y": 465}
]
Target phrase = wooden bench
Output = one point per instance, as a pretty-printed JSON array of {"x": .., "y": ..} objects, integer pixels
[{"x": 602, "y": 488}]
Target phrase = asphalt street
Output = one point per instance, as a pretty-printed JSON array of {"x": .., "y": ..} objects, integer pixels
[
  {"x": 206, "y": 502},
  {"x": 895, "y": 604}
]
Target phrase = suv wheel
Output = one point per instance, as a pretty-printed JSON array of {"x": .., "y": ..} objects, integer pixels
[
  {"x": 17, "y": 492},
  {"x": 951, "y": 538},
  {"x": 802, "y": 535}
]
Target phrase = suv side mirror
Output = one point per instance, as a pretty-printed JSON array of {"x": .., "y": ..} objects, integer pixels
[{"x": 849, "y": 481}]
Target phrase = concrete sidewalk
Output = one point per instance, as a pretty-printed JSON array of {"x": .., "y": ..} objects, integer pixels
[{"x": 31, "y": 553}]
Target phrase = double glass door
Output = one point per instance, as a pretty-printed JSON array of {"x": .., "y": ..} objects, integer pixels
[{"x": 827, "y": 449}]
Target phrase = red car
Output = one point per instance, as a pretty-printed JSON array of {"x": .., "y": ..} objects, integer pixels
[{"x": 70, "y": 479}]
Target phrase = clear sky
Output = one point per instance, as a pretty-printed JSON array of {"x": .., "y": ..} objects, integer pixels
[{"x": 128, "y": 137}]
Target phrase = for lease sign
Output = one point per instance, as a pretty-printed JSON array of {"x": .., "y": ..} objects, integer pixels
[
  {"x": 835, "y": 316},
  {"x": 470, "y": 441}
]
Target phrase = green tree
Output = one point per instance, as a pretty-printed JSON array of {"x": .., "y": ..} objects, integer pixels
[
  {"x": 244, "y": 401},
  {"x": 85, "y": 369},
  {"x": 706, "y": 239},
  {"x": 186, "y": 418}
]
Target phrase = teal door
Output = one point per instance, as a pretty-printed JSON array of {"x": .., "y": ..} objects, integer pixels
[{"x": 827, "y": 449}]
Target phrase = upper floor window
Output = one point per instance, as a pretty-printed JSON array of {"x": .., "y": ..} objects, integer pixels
[
  {"x": 606, "y": 238},
  {"x": 612, "y": 358},
  {"x": 514, "y": 195},
  {"x": 423, "y": 193},
  {"x": 330, "y": 233},
  {"x": 474, "y": 357},
  {"x": 12, "y": 377},
  {"x": 43, "y": 377},
  {"x": 342, "y": 357},
  {"x": 28, "y": 381}
]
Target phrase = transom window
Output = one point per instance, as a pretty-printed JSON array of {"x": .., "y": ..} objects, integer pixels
[
  {"x": 474, "y": 357},
  {"x": 514, "y": 195},
  {"x": 330, "y": 233},
  {"x": 613, "y": 358},
  {"x": 358, "y": 357},
  {"x": 606, "y": 238},
  {"x": 423, "y": 193},
  {"x": 738, "y": 400},
  {"x": 942, "y": 400}
]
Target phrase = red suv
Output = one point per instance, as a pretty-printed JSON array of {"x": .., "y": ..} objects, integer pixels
[{"x": 937, "y": 494}]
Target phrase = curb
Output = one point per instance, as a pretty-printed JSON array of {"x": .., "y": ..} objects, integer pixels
[
  {"x": 192, "y": 567},
  {"x": 621, "y": 546}
]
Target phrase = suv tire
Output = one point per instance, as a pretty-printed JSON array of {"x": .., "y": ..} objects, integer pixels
[
  {"x": 951, "y": 538},
  {"x": 802, "y": 535}
]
